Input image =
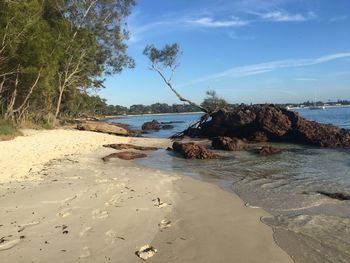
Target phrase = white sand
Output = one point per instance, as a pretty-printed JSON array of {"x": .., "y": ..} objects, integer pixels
[{"x": 80, "y": 209}]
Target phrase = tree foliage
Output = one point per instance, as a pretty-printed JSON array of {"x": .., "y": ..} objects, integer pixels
[
  {"x": 52, "y": 52},
  {"x": 213, "y": 102},
  {"x": 165, "y": 61}
]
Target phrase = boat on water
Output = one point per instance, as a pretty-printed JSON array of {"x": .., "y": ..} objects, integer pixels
[{"x": 317, "y": 108}]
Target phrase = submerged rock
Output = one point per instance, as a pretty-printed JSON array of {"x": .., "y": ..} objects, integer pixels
[
  {"x": 167, "y": 127},
  {"x": 267, "y": 150},
  {"x": 193, "y": 150},
  {"x": 229, "y": 144},
  {"x": 338, "y": 196},
  {"x": 128, "y": 155},
  {"x": 125, "y": 146},
  {"x": 151, "y": 125},
  {"x": 264, "y": 122}
]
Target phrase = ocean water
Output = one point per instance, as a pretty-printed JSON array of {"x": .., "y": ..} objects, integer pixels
[{"x": 311, "y": 227}]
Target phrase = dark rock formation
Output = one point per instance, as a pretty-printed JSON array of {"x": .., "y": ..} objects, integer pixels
[
  {"x": 228, "y": 144},
  {"x": 266, "y": 150},
  {"x": 124, "y": 156},
  {"x": 151, "y": 125},
  {"x": 124, "y": 146},
  {"x": 167, "y": 127},
  {"x": 193, "y": 150},
  {"x": 338, "y": 196},
  {"x": 271, "y": 123}
]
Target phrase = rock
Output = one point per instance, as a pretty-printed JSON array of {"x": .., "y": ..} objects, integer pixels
[
  {"x": 193, "y": 151},
  {"x": 338, "y": 196},
  {"x": 128, "y": 155},
  {"x": 264, "y": 122},
  {"x": 167, "y": 127},
  {"x": 228, "y": 144},
  {"x": 103, "y": 127},
  {"x": 124, "y": 146},
  {"x": 151, "y": 125},
  {"x": 266, "y": 150}
]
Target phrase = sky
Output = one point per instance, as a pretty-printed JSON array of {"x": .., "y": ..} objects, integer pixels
[{"x": 248, "y": 51}]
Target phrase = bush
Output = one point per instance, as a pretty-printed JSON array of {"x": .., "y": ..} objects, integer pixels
[{"x": 7, "y": 130}]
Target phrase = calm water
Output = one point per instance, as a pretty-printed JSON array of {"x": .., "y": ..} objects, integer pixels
[{"x": 309, "y": 226}]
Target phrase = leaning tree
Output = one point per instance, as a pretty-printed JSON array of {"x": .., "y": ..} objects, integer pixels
[{"x": 164, "y": 62}]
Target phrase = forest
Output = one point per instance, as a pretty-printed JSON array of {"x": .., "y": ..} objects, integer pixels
[{"x": 55, "y": 53}]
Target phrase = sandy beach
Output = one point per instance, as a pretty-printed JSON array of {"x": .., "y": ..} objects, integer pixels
[{"x": 61, "y": 203}]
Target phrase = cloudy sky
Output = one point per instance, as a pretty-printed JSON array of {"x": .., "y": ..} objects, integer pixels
[{"x": 246, "y": 50}]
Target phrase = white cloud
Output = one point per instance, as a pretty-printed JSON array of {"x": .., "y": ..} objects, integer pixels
[
  {"x": 284, "y": 16},
  {"x": 255, "y": 69},
  {"x": 210, "y": 22},
  {"x": 338, "y": 18}
]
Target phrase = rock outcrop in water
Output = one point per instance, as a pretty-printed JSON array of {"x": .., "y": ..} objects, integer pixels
[
  {"x": 229, "y": 144},
  {"x": 104, "y": 127},
  {"x": 266, "y": 151},
  {"x": 156, "y": 126},
  {"x": 193, "y": 150},
  {"x": 125, "y": 146},
  {"x": 124, "y": 156},
  {"x": 264, "y": 122},
  {"x": 151, "y": 125}
]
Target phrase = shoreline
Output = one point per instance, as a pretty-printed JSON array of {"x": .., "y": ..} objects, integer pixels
[
  {"x": 110, "y": 209},
  {"x": 147, "y": 114}
]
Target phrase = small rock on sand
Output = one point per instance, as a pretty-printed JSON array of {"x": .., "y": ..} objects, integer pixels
[{"x": 146, "y": 252}]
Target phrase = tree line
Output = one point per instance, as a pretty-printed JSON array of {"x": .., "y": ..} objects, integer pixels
[{"x": 54, "y": 52}]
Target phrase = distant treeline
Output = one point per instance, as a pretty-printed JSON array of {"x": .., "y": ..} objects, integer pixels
[
  {"x": 318, "y": 103},
  {"x": 54, "y": 52}
]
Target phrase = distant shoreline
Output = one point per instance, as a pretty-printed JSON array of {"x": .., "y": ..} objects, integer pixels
[
  {"x": 148, "y": 114},
  {"x": 330, "y": 106}
]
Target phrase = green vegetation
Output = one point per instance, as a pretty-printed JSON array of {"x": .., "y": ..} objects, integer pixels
[
  {"x": 54, "y": 52},
  {"x": 7, "y": 130}
]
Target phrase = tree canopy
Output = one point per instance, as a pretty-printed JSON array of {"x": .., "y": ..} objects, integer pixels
[{"x": 54, "y": 52}]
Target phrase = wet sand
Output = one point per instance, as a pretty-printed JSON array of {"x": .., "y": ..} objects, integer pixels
[{"x": 73, "y": 207}]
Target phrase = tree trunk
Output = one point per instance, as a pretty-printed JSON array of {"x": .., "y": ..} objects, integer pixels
[{"x": 58, "y": 106}]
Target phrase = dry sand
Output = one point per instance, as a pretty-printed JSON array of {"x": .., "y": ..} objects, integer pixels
[{"x": 61, "y": 203}]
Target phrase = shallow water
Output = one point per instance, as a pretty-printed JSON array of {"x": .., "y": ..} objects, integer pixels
[{"x": 311, "y": 227}]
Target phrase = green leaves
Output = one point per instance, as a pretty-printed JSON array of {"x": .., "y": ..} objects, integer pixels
[{"x": 166, "y": 57}]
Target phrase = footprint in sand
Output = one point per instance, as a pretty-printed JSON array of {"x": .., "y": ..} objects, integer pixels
[
  {"x": 98, "y": 214},
  {"x": 65, "y": 212},
  {"x": 5, "y": 245},
  {"x": 85, "y": 231},
  {"x": 164, "y": 224},
  {"x": 68, "y": 199},
  {"x": 86, "y": 253},
  {"x": 24, "y": 226},
  {"x": 114, "y": 200}
]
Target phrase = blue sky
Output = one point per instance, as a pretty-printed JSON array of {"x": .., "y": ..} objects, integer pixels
[{"x": 246, "y": 50}]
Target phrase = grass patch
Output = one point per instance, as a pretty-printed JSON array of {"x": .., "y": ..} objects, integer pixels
[{"x": 8, "y": 130}]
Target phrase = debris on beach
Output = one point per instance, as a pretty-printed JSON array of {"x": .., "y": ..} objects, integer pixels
[
  {"x": 127, "y": 155},
  {"x": 159, "y": 204},
  {"x": 146, "y": 252},
  {"x": 193, "y": 150}
]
